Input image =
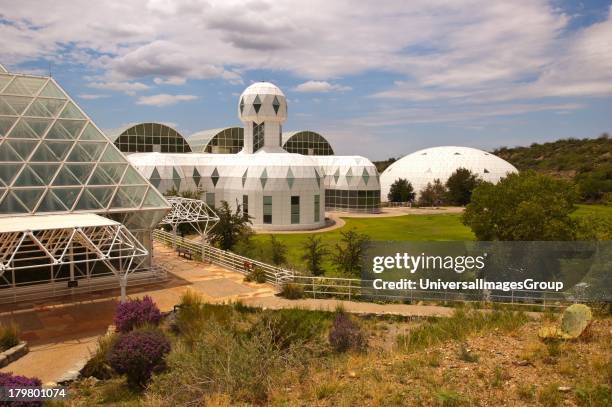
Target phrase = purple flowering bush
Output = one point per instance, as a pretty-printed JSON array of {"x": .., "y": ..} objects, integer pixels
[
  {"x": 8, "y": 380},
  {"x": 345, "y": 334},
  {"x": 138, "y": 354},
  {"x": 135, "y": 313}
]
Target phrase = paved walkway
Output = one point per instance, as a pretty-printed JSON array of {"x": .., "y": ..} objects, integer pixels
[{"x": 62, "y": 335}]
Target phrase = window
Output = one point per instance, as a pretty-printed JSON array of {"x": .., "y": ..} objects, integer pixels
[
  {"x": 267, "y": 209},
  {"x": 210, "y": 199},
  {"x": 295, "y": 209},
  {"x": 258, "y": 136},
  {"x": 245, "y": 204},
  {"x": 317, "y": 208}
]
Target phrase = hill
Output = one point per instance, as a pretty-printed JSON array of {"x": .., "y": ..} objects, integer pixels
[{"x": 587, "y": 161}]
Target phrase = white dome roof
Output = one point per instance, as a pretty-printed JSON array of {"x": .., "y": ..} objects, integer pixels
[
  {"x": 426, "y": 165},
  {"x": 262, "y": 101}
]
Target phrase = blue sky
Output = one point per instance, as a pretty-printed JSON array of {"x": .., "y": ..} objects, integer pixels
[{"x": 377, "y": 79}]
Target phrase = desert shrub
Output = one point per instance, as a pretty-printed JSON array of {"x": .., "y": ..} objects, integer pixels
[
  {"x": 97, "y": 366},
  {"x": 136, "y": 313},
  {"x": 592, "y": 395},
  {"x": 243, "y": 366},
  {"x": 345, "y": 334},
  {"x": 8, "y": 380},
  {"x": 9, "y": 336},
  {"x": 550, "y": 396},
  {"x": 526, "y": 392},
  {"x": 292, "y": 291},
  {"x": 138, "y": 354},
  {"x": 449, "y": 398},
  {"x": 257, "y": 274},
  {"x": 293, "y": 326}
]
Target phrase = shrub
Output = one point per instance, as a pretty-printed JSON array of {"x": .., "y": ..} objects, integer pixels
[
  {"x": 135, "y": 313},
  {"x": 257, "y": 274},
  {"x": 242, "y": 366},
  {"x": 9, "y": 336},
  {"x": 293, "y": 326},
  {"x": 8, "y": 380},
  {"x": 292, "y": 291},
  {"x": 345, "y": 334},
  {"x": 138, "y": 354},
  {"x": 97, "y": 366}
]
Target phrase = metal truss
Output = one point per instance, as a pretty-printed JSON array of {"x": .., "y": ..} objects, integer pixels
[
  {"x": 192, "y": 211},
  {"x": 111, "y": 244}
]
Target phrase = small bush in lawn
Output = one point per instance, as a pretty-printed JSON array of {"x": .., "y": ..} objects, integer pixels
[
  {"x": 8, "y": 380},
  {"x": 135, "y": 313},
  {"x": 97, "y": 366},
  {"x": 138, "y": 354},
  {"x": 294, "y": 326},
  {"x": 257, "y": 274},
  {"x": 292, "y": 291},
  {"x": 345, "y": 334},
  {"x": 9, "y": 336}
]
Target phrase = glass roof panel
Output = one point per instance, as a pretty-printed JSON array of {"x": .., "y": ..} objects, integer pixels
[
  {"x": 71, "y": 112},
  {"x": 8, "y": 172},
  {"x": 67, "y": 195},
  {"x": 132, "y": 177},
  {"x": 25, "y": 85},
  {"x": 100, "y": 177},
  {"x": 29, "y": 197},
  {"x": 28, "y": 178},
  {"x": 87, "y": 202},
  {"x": 129, "y": 197},
  {"x": 93, "y": 149},
  {"x": 65, "y": 177},
  {"x": 102, "y": 194},
  {"x": 112, "y": 155},
  {"x": 29, "y": 128},
  {"x": 4, "y": 79},
  {"x": 51, "y": 90},
  {"x": 23, "y": 147},
  {"x": 114, "y": 171},
  {"x": 66, "y": 129},
  {"x": 44, "y": 107},
  {"x": 45, "y": 171},
  {"x": 92, "y": 134},
  {"x": 13, "y": 105},
  {"x": 10, "y": 204},
  {"x": 51, "y": 203},
  {"x": 8, "y": 154}
]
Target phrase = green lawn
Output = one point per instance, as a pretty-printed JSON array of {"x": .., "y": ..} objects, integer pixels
[
  {"x": 599, "y": 210},
  {"x": 409, "y": 227}
]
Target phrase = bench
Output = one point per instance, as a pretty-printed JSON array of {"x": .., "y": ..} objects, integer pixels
[{"x": 184, "y": 252}]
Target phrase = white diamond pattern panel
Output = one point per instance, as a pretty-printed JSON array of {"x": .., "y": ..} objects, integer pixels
[{"x": 54, "y": 159}]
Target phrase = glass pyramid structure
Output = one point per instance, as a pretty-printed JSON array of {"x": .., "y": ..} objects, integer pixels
[{"x": 54, "y": 159}]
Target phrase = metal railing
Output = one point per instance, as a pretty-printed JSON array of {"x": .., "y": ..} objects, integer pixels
[
  {"x": 274, "y": 275},
  {"x": 353, "y": 288}
]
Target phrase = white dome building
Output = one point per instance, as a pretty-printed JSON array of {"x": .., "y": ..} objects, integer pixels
[
  {"x": 426, "y": 165},
  {"x": 279, "y": 190}
]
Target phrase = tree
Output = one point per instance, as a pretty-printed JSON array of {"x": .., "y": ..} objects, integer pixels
[
  {"x": 314, "y": 251},
  {"x": 232, "y": 226},
  {"x": 278, "y": 251},
  {"x": 401, "y": 191},
  {"x": 460, "y": 186},
  {"x": 347, "y": 255},
  {"x": 526, "y": 206},
  {"x": 432, "y": 194}
]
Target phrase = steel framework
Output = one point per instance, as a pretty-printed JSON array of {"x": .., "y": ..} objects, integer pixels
[
  {"x": 54, "y": 242},
  {"x": 194, "y": 212}
]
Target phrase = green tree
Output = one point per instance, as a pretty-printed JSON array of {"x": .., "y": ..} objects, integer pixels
[
  {"x": 232, "y": 226},
  {"x": 401, "y": 191},
  {"x": 460, "y": 186},
  {"x": 526, "y": 206},
  {"x": 314, "y": 252},
  {"x": 348, "y": 252},
  {"x": 278, "y": 251},
  {"x": 432, "y": 194}
]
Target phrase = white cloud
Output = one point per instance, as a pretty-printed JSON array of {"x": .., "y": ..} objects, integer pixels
[
  {"x": 172, "y": 80},
  {"x": 92, "y": 96},
  {"x": 129, "y": 88},
  {"x": 164, "y": 99},
  {"x": 320, "y": 87}
]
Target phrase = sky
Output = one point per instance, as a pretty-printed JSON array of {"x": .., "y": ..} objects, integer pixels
[{"x": 379, "y": 79}]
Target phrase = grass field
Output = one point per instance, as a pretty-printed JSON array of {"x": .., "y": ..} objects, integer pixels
[{"x": 401, "y": 228}]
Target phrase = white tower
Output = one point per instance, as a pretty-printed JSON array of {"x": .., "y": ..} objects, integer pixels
[{"x": 262, "y": 108}]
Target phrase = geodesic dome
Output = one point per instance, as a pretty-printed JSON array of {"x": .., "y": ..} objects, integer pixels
[{"x": 426, "y": 165}]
